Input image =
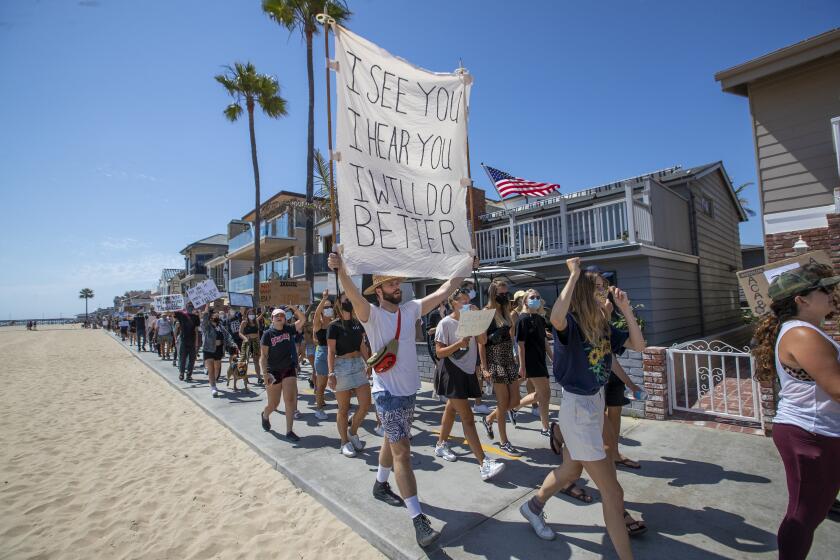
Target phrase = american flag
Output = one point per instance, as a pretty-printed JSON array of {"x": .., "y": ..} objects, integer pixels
[{"x": 507, "y": 184}]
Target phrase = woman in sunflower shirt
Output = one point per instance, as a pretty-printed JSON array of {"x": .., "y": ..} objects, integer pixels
[{"x": 584, "y": 345}]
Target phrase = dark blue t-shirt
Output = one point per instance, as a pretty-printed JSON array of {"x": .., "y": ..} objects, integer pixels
[{"x": 580, "y": 367}]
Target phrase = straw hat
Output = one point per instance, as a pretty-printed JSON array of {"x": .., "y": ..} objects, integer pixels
[{"x": 378, "y": 281}]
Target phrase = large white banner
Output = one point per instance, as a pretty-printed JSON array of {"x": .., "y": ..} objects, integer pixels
[{"x": 402, "y": 134}]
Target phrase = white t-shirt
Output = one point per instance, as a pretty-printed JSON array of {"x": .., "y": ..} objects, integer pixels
[
  {"x": 403, "y": 379},
  {"x": 164, "y": 327},
  {"x": 445, "y": 334},
  {"x": 123, "y": 323},
  {"x": 804, "y": 403}
]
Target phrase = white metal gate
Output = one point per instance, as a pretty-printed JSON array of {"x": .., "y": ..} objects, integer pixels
[{"x": 713, "y": 378}]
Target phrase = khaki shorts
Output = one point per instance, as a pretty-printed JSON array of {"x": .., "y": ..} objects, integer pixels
[{"x": 581, "y": 422}]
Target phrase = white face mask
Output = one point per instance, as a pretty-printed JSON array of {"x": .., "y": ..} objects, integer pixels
[
  {"x": 328, "y": 312},
  {"x": 252, "y": 317}
]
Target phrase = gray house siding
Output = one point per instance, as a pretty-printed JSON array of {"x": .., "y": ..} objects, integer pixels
[
  {"x": 671, "y": 216},
  {"x": 675, "y": 307},
  {"x": 718, "y": 246},
  {"x": 792, "y": 113}
]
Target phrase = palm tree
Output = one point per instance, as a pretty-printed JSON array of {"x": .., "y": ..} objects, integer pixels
[
  {"x": 300, "y": 15},
  {"x": 742, "y": 199},
  {"x": 244, "y": 83},
  {"x": 86, "y": 294}
]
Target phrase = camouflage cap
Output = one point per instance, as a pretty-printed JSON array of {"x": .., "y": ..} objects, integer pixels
[{"x": 796, "y": 281}]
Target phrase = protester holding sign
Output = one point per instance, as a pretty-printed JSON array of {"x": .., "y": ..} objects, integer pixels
[
  {"x": 278, "y": 357},
  {"x": 455, "y": 379},
  {"x": 215, "y": 339},
  {"x": 792, "y": 345},
  {"x": 346, "y": 355},
  {"x": 163, "y": 332},
  {"x": 583, "y": 348},
  {"x": 390, "y": 330},
  {"x": 188, "y": 323}
]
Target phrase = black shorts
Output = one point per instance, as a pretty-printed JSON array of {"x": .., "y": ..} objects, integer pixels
[
  {"x": 275, "y": 377},
  {"x": 217, "y": 355},
  {"x": 454, "y": 383},
  {"x": 614, "y": 392}
]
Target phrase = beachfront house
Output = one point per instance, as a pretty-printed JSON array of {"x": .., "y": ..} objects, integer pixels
[
  {"x": 670, "y": 238},
  {"x": 196, "y": 255},
  {"x": 795, "y": 114},
  {"x": 282, "y": 244},
  {"x": 164, "y": 286}
]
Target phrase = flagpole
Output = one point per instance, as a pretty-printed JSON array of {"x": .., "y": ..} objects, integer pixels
[
  {"x": 463, "y": 72},
  {"x": 327, "y": 21}
]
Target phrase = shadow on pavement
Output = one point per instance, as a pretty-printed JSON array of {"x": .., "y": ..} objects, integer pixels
[{"x": 686, "y": 472}]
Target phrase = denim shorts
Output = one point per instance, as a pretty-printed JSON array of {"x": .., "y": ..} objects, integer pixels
[
  {"x": 349, "y": 374},
  {"x": 321, "y": 367},
  {"x": 396, "y": 414},
  {"x": 310, "y": 349}
]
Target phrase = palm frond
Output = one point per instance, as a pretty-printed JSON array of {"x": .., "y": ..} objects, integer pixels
[
  {"x": 233, "y": 112},
  {"x": 274, "y": 107},
  {"x": 321, "y": 169}
]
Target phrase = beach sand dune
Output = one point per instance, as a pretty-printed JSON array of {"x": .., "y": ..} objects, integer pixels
[{"x": 100, "y": 458}]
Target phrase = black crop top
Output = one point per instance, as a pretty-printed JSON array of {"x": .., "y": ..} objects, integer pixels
[
  {"x": 249, "y": 329},
  {"x": 321, "y": 337},
  {"x": 347, "y": 335}
]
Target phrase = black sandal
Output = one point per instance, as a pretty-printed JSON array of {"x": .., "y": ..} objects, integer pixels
[
  {"x": 581, "y": 494},
  {"x": 635, "y": 527},
  {"x": 556, "y": 438}
]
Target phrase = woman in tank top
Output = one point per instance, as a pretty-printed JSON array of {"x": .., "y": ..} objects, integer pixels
[
  {"x": 791, "y": 345},
  {"x": 322, "y": 318},
  {"x": 249, "y": 330}
]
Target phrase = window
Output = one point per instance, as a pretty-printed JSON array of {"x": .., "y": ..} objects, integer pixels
[{"x": 707, "y": 205}]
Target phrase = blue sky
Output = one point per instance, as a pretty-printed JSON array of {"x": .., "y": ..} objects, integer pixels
[{"x": 114, "y": 153}]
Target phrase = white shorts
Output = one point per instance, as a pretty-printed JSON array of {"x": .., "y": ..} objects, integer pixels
[{"x": 581, "y": 421}]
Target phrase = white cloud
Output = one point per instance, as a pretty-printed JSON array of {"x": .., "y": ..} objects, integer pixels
[{"x": 122, "y": 243}]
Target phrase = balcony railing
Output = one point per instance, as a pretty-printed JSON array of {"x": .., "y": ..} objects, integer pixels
[
  {"x": 280, "y": 228},
  {"x": 197, "y": 269},
  {"x": 566, "y": 232}
]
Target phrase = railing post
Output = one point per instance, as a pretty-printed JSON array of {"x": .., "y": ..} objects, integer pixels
[
  {"x": 631, "y": 213},
  {"x": 564, "y": 235},
  {"x": 512, "y": 238}
]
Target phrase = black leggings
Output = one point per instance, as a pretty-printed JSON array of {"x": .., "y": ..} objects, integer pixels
[{"x": 812, "y": 467}]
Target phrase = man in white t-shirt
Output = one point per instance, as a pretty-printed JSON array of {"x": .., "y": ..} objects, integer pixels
[{"x": 394, "y": 390}]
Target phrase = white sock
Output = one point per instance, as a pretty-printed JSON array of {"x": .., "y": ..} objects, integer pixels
[
  {"x": 413, "y": 505},
  {"x": 382, "y": 474}
]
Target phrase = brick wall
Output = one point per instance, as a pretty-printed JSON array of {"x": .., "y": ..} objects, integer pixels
[
  {"x": 654, "y": 365},
  {"x": 780, "y": 246}
]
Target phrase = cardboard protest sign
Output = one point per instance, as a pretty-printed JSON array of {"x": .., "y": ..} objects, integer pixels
[
  {"x": 172, "y": 302},
  {"x": 402, "y": 164},
  {"x": 240, "y": 300},
  {"x": 203, "y": 293},
  {"x": 474, "y": 323},
  {"x": 285, "y": 292},
  {"x": 756, "y": 281}
]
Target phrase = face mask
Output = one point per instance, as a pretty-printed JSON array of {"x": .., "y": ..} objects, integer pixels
[
  {"x": 501, "y": 298},
  {"x": 463, "y": 307},
  {"x": 347, "y": 306},
  {"x": 534, "y": 304},
  {"x": 472, "y": 294},
  {"x": 328, "y": 312},
  {"x": 252, "y": 317}
]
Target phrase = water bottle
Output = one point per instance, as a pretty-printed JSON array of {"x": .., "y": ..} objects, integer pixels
[{"x": 640, "y": 395}]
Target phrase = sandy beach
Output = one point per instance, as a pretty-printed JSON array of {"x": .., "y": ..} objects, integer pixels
[{"x": 100, "y": 458}]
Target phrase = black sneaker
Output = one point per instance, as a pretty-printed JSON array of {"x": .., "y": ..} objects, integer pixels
[
  {"x": 487, "y": 426},
  {"x": 260, "y": 381},
  {"x": 382, "y": 492},
  {"x": 423, "y": 531},
  {"x": 266, "y": 424},
  {"x": 181, "y": 376},
  {"x": 546, "y": 433},
  {"x": 189, "y": 378},
  {"x": 512, "y": 416},
  {"x": 509, "y": 449},
  {"x": 293, "y": 437},
  {"x": 311, "y": 383}
]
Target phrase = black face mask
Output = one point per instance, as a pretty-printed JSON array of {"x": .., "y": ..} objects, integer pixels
[
  {"x": 347, "y": 306},
  {"x": 501, "y": 299}
]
